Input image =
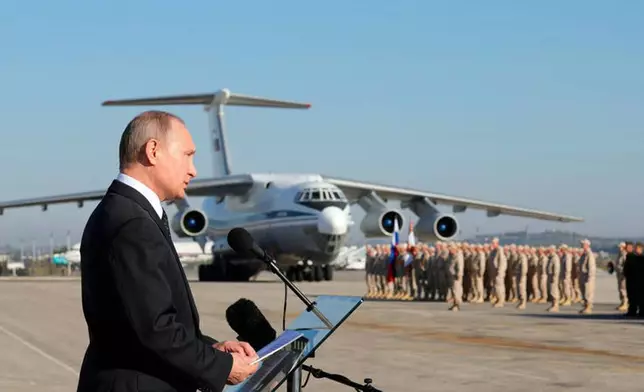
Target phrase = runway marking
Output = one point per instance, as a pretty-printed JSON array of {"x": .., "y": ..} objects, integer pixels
[{"x": 39, "y": 351}]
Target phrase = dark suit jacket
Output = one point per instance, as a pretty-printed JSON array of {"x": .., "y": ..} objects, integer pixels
[
  {"x": 634, "y": 274},
  {"x": 142, "y": 321}
]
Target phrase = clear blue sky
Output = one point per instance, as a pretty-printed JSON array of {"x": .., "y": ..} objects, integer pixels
[{"x": 536, "y": 106}]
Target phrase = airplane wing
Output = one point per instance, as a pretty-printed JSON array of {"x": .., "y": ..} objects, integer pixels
[
  {"x": 356, "y": 189},
  {"x": 223, "y": 186}
]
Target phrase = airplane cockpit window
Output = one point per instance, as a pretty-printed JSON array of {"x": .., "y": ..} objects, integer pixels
[
  {"x": 319, "y": 198},
  {"x": 320, "y": 194}
]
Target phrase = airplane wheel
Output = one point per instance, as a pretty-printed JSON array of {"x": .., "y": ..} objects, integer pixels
[
  {"x": 215, "y": 272},
  {"x": 207, "y": 273},
  {"x": 299, "y": 274},
  {"x": 202, "y": 273},
  {"x": 310, "y": 275},
  {"x": 290, "y": 273},
  {"x": 328, "y": 272},
  {"x": 318, "y": 273},
  {"x": 239, "y": 273},
  {"x": 219, "y": 268}
]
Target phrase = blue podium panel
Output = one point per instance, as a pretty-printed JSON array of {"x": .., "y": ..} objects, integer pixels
[
  {"x": 335, "y": 308},
  {"x": 274, "y": 370}
]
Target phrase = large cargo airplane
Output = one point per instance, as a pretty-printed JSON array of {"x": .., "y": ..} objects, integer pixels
[{"x": 295, "y": 217}]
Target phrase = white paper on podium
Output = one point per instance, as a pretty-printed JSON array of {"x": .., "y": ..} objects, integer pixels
[{"x": 287, "y": 337}]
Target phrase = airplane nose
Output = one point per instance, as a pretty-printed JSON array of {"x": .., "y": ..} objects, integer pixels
[{"x": 332, "y": 221}]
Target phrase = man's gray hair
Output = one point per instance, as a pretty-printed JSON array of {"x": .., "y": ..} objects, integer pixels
[{"x": 153, "y": 124}]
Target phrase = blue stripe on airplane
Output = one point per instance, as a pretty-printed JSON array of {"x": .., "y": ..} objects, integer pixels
[{"x": 271, "y": 215}]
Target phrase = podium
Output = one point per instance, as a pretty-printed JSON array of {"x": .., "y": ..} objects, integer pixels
[{"x": 285, "y": 365}]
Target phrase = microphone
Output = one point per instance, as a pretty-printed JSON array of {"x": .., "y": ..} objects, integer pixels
[
  {"x": 250, "y": 324},
  {"x": 243, "y": 243}
]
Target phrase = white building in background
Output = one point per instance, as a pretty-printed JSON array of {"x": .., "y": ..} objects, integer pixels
[{"x": 11, "y": 265}]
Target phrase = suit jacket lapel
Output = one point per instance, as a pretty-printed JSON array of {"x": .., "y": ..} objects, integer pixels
[{"x": 131, "y": 193}]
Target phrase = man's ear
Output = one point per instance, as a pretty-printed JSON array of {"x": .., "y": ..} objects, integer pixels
[{"x": 151, "y": 151}]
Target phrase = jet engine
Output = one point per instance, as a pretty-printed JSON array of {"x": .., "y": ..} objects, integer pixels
[
  {"x": 380, "y": 223},
  {"x": 189, "y": 223},
  {"x": 436, "y": 227}
]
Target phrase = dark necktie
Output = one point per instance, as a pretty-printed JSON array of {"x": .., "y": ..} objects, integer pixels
[{"x": 164, "y": 218}]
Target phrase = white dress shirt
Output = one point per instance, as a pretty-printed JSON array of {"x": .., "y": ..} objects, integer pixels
[{"x": 144, "y": 190}]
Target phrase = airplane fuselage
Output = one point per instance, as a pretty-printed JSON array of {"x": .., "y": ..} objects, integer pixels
[{"x": 293, "y": 217}]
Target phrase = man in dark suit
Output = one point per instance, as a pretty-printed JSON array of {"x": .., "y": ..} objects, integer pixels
[
  {"x": 634, "y": 273},
  {"x": 142, "y": 320}
]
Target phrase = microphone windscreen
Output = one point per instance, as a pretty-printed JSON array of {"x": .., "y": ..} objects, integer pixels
[
  {"x": 250, "y": 324},
  {"x": 240, "y": 241}
]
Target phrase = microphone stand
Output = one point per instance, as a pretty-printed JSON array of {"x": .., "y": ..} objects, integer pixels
[
  {"x": 294, "y": 379},
  {"x": 319, "y": 373},
  {"x": 310, "y": 306}
]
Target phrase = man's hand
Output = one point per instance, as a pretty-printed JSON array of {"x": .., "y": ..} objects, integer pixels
[
  {"x": 242, "y": 348},
  {"x": 242, "y": 368}
]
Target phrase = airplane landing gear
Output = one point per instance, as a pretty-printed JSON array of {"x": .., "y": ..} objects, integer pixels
[
  {"x": 328, "y": 272},
  {"x": 222, "y": 270},
  {"x": 295, "y": 274},
  {"x": 215, "y": 272},
  {"x": 318, "y": 273},
  {"x": 315, "y": 273}
]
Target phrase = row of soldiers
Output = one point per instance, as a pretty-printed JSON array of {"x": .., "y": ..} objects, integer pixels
[{"x": 458, "y": 272}]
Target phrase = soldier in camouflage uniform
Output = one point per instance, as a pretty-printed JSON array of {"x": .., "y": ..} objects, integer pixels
[
  {"x": 370, "y": 263},
  {"x": 512, "y": 256},
  {"x": 565, "y": 276},
  {"x": 455, "y": 268},
  {"x": 498, "y": 265},
  {"x": 382, "y": 257},
  {"x": 432, "y": 278},
  {"x": 521, "y": 276},
  {"x": 587, "y": 274},
  {"x": 533, "y": 275},
  {"x": 554, "y": 268},
  {"x": 442, "y": 273},
  {"x": 410, "y": 273},
  {"x": 542, "y": 270},
  {"x": 420, "y": 265},
  {"x": 487, "y": 276},
  {"x": 467, "y": 272},
  {"x": 479, "y": 262},
  {"x": 576, "y": 287},
  {"x": 621, "y": 279}
]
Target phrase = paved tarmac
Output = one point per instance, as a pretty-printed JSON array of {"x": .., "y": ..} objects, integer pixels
[{"x": 403, "y": 346}]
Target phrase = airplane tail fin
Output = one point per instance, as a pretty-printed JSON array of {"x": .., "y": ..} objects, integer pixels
[{"x": 214, "y": 103}]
